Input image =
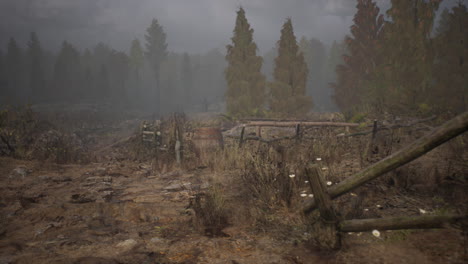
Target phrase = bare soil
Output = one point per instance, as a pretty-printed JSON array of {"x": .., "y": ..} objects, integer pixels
[{"x": 117, "y": 211}]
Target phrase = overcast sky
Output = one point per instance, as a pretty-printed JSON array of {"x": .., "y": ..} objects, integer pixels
[{"x": 191, "y": 25}]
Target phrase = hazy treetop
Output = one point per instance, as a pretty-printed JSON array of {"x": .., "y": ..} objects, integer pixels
[{"x": 191, "y": 26}]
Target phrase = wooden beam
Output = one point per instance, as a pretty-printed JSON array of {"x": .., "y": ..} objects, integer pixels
[
  {"x": 447, "y": 131},
  {"x": 395, "y": 223},
  {"x": 326, "y": 233},
  {"x": 294, "y": 123}
]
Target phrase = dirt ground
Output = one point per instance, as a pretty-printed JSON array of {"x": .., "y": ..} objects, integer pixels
[{"x": 116, "y": 210}]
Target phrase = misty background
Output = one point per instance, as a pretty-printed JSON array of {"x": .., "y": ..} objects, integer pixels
[{"x": 86, "y": 47}]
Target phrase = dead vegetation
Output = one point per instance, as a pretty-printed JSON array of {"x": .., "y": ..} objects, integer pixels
[{"x": 233, "y": 200}]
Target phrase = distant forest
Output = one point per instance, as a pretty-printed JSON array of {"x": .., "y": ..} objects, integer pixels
[{"x": 398, "y": 63}]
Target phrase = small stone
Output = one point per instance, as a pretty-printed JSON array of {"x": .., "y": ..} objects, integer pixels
[
  {"x": 20, "y": 171},
  {"x": 127, "y": 244}
]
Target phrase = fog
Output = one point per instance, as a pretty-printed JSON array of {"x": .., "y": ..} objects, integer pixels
[{"x": 200, "y": 28}]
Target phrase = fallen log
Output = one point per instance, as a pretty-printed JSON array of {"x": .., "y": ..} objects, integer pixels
[
  {"x": 447, "y": 131},
  {"x": 294, "y": 123},
  {"x": 395, "y": 223}
]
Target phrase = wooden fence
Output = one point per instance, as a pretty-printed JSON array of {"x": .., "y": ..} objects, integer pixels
[{"x": 331, "y": 225}]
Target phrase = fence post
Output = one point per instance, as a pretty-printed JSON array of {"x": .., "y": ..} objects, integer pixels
[
  {"x": 241, "y": 139},
  {"x": 327, "y": 235}
]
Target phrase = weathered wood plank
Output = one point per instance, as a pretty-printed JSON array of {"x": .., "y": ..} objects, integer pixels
[
  {"x": 306, "y": 124},
  {"x": 395, "y": 223},
  {"x": 447, "y": 131}
]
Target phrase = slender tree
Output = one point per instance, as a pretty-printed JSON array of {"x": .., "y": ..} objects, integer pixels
[
  {"x": 187, "y": 79},
  {"x": 451, "y": 67},
  {"x": 68, "y": 74},
  {"x": 406, "y": 78},
  {"x": 246, "y": 84},
  {"x": 118, "y": 69},
  {"x": 362, "y": 58},
  {"x": 136, "y": 63},
  {"x": 36, "y": 74},
  {"x": 14, "y": 72},
  {"x": 156, "y": 53},
  {"x": 288, "y": 90}
]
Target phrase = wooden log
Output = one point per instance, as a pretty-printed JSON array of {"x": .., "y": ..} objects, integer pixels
[
  {"x": 447, "y": 131},
  {"x": 319, "y": 190},
  {"x": 395, "y": 223},
  {"x": 294, "y": 123},
  {"x": 326, "y": 233}
]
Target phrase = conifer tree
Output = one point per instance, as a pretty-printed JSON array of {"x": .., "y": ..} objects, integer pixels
[
  {"x": 136, "y": 63},
  {"x": 187, "y": 79},
  {"x": 118, "y": 69},
  {"x": 288, "y": 89},
  {"x": 14, "y": 72},
  {"x": 451, "y": 67},
  {"x": 406, "y": 77},
  {"x": 102, "y": 83},
  {"x": 67, "y": 74},
  {"x": 156, "y": 53},
  {"x": 36, "y": 74},
  {"x": 245, "y": 95},
  {"x": 362, "y": 58}
]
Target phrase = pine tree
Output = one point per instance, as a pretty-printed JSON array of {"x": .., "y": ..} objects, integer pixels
[
  {"x": 14, "y": 72},
  {"x": 246, "y": 84},
  {"x": 87, "y": 62},
  {"x": 102, "y": 84},
  {"x": 451, "y": 67},
  {"x": 352, "y": 89},
  {"x": 156, "y": 53},
  {"x": 406, "y": 78},
  {"x": 136, "y": 63},
  {"x": 118, "y": 73},
  {"x": 288, "y": 90},
  {"x": 68, "y": 74},
  {"x": 187, "y": 79},
  {"x": 36, "y": 74}
]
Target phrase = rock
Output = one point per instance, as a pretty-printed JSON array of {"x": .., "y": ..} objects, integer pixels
[
  {"x": 101, "y": 171},
  {"x": 99, "y": 179},
  {"x": 44, "y": 177},
  {"x": 20, "y": 171},
  {"x": 82, "y": 198},
  {"x": 204, "y": 186},
  {"x": 172, "y": 174},
  {"x": 176, "y": 187},
  {"x": 62, "y": 179},
  {"x": 142, "y": 173},
  {"x": 127, "y": 244}
]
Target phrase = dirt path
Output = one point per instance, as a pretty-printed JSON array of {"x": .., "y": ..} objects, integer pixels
[{"x": 119, "y": 213}]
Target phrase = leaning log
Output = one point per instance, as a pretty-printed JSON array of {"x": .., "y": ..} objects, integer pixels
[
  {"x": 395, "y": 223},
  {"x": 305, "y": 124},
  {"x": 326, "y": 229},
  {"x": 447, "y": 131}
]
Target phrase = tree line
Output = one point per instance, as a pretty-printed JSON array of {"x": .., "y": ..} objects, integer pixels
[
  {"x": 147, "y": 77},
  {"x": 405, "y": 64},
  {"x": 400, "y": 65}
]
